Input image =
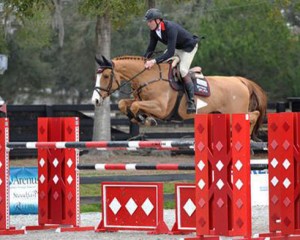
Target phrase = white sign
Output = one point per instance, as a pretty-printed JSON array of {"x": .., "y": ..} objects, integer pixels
[
  {"x": 260, "y": 188},
  {"x": 3, "y": 63}
]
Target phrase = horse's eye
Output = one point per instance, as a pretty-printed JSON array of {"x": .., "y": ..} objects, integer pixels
[{"x": 106, "y": 76}]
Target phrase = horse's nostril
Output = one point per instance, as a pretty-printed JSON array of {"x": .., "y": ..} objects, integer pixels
[{"x": 98, "y": 102}]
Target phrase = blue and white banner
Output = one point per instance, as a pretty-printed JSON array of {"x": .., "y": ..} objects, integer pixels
[{"x": 23, "y": 190}]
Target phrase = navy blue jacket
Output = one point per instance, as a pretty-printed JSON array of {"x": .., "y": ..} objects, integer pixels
[{"x": 175, "y": 37}]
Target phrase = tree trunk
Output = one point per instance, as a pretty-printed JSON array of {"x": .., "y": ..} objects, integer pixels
[
  {"x": 151, "y": 3},
  {"x": 58, "y": 22},
  {"x": 102, "y": 126}
]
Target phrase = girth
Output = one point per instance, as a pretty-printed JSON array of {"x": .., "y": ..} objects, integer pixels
[{"x": 174, "y": 113}]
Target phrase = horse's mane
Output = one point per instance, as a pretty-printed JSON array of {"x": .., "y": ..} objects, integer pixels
[{"x": 127, "y": 57}]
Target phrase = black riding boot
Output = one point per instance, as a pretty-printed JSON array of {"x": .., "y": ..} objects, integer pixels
[{"x": 189, "y": 87}]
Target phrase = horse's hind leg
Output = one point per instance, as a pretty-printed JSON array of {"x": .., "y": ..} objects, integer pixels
[{"x": 253, "y": 116}]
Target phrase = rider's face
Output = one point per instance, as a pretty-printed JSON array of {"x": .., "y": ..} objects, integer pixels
[{"x": 152, "y": 24}]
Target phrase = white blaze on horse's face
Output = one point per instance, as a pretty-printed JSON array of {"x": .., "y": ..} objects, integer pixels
[{"x": 97, "y": 100}]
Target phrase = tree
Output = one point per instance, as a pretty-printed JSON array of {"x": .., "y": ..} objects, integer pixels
[
  {"x": 3, "y": 44},
  {"x": 24, "y": 41},
  {"x": 73, "y": 63},
  {"x": 255, "y": 39},
  {"x": 291, "y": 10},
  {"x": 58, "y": 22},
  {"x": 102, "y": 124},
  {"x": 108, "y": 13},
  {"x": 42, "y": 65},
  {"x": 250, "y": 39},
  {"x": 30, "y": 34}
]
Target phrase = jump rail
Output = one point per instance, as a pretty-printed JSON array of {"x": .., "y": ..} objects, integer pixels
[
  {"x": 256, "y": 164},
  {"x": 120, "y": 145},
  {"x": 103, "y": 144},
  {"x": 136, "y": 166}
]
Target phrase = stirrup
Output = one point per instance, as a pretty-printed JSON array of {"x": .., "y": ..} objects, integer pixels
[{"x": 191, "y": 110}]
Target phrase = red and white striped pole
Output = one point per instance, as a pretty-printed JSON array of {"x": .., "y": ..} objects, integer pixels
[
  {"x": 5, "y": 228},
  {"x": 105, "y": 145}
]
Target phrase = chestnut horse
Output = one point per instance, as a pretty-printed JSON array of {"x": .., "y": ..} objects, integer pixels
[{"x": 153, "y": 97}]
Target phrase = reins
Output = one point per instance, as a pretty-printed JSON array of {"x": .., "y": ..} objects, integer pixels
[
  {"x": 129, "y": 80},
  {"x": 120, "y": 86},
  {"x": 139, "y": 89}
]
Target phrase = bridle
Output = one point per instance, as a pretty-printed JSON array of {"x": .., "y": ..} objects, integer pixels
[{"x": 109, "y": 90}]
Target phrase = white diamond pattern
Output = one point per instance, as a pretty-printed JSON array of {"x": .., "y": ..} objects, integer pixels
[
  {"x": 286, "y": 164},
  {"x": 131, "y": 206},
  {"x": 70, "y": 179},
  {"x": 189, "y": 207},
  {"x": 219, "y": 165},
  {"x": 274, "y": 181},
  {"x": 42, "y": 178},
  {"x": 115, "y": 206},
  {"x": 0, "y": 181},
  {"x": 0, "y": 164},
  {"x": 239, "y": 184},
  {"x": 201, "y": 165},
  {"x": 55, "y": 179},
  {"x": 147, "y": 206},
  {"x": 220, "y": 184},
  {"x": 70, "y": 162},
  {"x": 42, "y": 162},
  {"x": 201, "y": 184},
  {"x": 238, "y": 165},
  {"x": 55, "y": 162},
  {"x": 274, "y": 162},
  {"x": 286, "y": 183}
]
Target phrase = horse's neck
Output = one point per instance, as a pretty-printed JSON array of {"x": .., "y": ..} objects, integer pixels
[
  {"x": 134, "y": 68},
  {"x": 128, "y": 68}
]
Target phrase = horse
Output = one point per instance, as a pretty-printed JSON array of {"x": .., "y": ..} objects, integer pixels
[{"x": 154, "y": 98}]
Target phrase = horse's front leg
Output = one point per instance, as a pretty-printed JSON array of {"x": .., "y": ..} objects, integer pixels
[
  {"x": 124, "y": 106},
  {"x": 144, "y": 110}
]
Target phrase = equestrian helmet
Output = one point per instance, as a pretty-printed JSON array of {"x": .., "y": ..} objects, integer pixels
[{"x": 153, "y": 13}]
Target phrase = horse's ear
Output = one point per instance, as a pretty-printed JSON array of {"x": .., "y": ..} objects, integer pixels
[
  {"x": 107, "y": 63},
  {"x": 99, "y": 61}
]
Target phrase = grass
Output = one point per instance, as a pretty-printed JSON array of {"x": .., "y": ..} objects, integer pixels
[
  {"x": 90, "y": 190},
  {"x": 96, "y": 207},
  {"x": 95, "y": 190}
]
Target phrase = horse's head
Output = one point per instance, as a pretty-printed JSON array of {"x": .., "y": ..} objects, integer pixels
[{"x": 106, "y": 81}]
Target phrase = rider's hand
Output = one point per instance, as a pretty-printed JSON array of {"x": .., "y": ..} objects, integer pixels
[{"x": 149, "y": 64}]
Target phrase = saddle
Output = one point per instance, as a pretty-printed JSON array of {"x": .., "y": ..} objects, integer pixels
[{"x": 201, "y": 85}]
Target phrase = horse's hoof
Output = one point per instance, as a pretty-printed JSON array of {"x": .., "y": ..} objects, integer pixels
[
  {"x": 140, "y": 118},
  {"x": 150, "y": 121}
]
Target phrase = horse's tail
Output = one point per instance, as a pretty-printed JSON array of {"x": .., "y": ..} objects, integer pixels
[{"x": 258, "y": 102}]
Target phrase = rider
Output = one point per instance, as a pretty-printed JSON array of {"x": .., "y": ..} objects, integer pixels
[{"x": 179, "y": 42}]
